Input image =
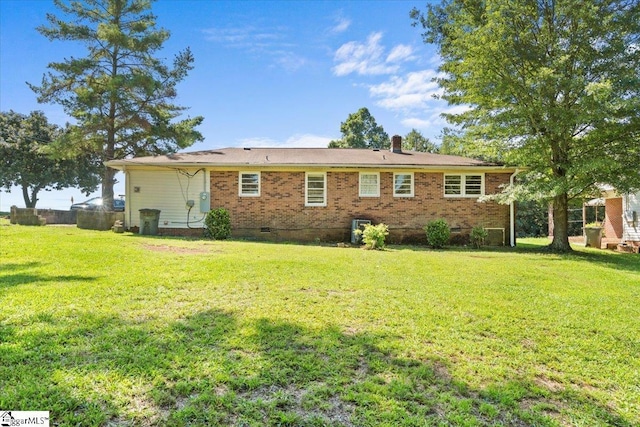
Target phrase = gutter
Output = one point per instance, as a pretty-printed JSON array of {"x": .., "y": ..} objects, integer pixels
[{"x": 512, "y": 213}]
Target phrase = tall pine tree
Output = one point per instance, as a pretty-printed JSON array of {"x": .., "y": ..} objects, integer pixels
[{"x": 119, "y": 93}]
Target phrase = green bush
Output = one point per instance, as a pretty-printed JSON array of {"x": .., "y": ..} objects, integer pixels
[
  {"x": 478, "y": 234},
  {"x": 218, "y": 224},
  {"x": 374, "y": 236},
  {"x": 438, "y": 233}
]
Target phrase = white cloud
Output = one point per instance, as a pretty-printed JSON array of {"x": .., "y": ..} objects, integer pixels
[
  {"x": 414, "y": 122},
  {"x": 342, "y": 25},
  {"x": 243, "y": 37},
  {"x": 402, "y": 52},
  {"x": 415, "y": 90},
  {"x": 432, "y": 116},
  {"x": 289, "y": 60},
  {"x": 271, "y": 43},
  {"x": 362, "y": 58},
  {"x": 294, "y": 141}
]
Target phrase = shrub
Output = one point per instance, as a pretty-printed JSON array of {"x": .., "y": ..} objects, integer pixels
[
  {"x": 438, "y": 233},
  {"x": 478, "y": 234},
  {"x": 218, "y": 224},
  {"x": 374, "y": 236}
]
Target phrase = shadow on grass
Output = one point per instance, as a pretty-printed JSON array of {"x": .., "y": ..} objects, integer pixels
[
  {"x": 26, "y": 279},
  {"x": 15, "y": 274},
  {"x": 18, "y": 266},
  {"x": 214, "y": 368},
  {"x": 606, "y": 258}
]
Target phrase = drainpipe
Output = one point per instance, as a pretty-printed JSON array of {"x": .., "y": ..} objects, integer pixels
[
  {"x": 512, "y": 214},
  {"x": 127, "y": 197}
]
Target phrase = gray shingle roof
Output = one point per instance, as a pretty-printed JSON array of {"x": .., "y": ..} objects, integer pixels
[{"x": 316, "y": 157}]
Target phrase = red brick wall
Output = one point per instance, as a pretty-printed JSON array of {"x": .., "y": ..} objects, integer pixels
[
  {"x": 613, "y": 218},
  {"x": 279, "y": 213}
]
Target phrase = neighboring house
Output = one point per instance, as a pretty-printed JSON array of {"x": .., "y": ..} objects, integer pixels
[
  {"x": 622, "y": 214},
  {"x": 306, "y": 194}
]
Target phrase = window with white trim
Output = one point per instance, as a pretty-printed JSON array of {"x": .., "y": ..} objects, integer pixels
[
  {"x": 315, "y": 193},
  {"x": 464, "y": 185},
  {"x": 249, "y": 184},
  {"x": 403, "y": 184},
  {"x": 369, "y": 184}
]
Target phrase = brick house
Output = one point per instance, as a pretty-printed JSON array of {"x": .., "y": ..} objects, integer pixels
[{"x": 304, "y": 194}]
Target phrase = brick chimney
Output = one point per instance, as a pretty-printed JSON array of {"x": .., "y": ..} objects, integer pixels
[{"x": 396, "y": 144}]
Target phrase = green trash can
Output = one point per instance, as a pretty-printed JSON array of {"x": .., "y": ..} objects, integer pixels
[
  {"x": 593, "y": 237},
  {"x": 149, "y": 219}
]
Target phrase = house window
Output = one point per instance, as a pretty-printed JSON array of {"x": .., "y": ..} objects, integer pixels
[
  {"x": 249, "y": 184},
  {"x": 369, "y": 184},
  {"x": 403, "y": 184},
  {"x": 315, "y": 189},
  {"x": 463, "y": 185}
]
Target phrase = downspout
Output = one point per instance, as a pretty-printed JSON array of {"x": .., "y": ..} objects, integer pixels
[
  {"x": 127, "y": 196},
  {"x": 512, "y": 214},
  {"x": 204, "y": 180}
]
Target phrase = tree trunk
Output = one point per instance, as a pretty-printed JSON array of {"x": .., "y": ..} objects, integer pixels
[
  {"x": 108, "y": 180},
  {"x": 30, "y": 202},
  {"x": 560, "y": 241}
]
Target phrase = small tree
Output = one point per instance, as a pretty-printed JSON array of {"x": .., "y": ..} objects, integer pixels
[
  {"x": 218, "y": 224},
  {"x": 438, "y": 233},
  {"x": 27, "y": 161}
]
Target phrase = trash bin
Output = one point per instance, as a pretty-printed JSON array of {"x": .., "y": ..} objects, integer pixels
[
  {"x": 593, "y": 237},
  {"x": 149, "y": 219}
]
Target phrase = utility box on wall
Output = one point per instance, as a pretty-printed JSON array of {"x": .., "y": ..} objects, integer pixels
[{"x": 205, "y": 202}]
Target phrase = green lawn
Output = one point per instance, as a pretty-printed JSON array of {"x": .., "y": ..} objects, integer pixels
[{"x": 118, "y": 330}]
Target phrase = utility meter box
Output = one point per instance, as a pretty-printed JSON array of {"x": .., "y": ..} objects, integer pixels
[{"x": 205, "y": 202}]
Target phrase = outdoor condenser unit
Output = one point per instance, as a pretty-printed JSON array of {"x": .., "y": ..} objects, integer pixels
[
  {"x": 357, "y": 224},
  {"x": 495, "y": 237}
]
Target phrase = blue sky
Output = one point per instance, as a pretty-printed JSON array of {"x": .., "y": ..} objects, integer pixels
[{"x": 267, "y": 73}]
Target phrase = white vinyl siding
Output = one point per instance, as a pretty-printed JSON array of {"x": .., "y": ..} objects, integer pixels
[
  {"x": 315, "y": 193},
  {"x": 464, "y": 185},
  {"x": 631, "y": 204},
  {"x": 369, "y": 184},
  {"x": 403, "y": 184},
  {"x": 249, "y": 184},
  {"x": 168, "y": 191}
]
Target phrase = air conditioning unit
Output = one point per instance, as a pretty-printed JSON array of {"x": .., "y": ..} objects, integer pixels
[
  {"x": 357, "y": 224},
  {"x": 495, "y": 237}
]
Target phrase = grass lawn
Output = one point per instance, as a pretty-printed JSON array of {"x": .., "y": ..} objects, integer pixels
[{"x": 104, "y": 329}]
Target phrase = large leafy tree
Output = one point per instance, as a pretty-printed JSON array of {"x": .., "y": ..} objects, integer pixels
[
  {"x": 120, "y": 94},
  {"x": 416, "y": 141},
  {"x": 553, "y": 85},
  {"x": 26, "y": 159},
  {"x": 360, "y": 130}
]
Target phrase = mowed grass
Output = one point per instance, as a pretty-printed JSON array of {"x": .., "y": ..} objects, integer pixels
[{"x": 104, "y": 329}]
